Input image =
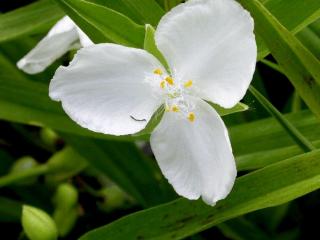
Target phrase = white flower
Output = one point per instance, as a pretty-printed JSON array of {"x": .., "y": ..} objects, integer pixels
[
  {"x": 211, "y": 51},
  {"x": 61, "y": 38}
]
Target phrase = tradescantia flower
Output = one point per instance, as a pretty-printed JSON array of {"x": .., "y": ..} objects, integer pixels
[
  {"x": 61, "y": 38},
  {"x": 210, "y": 48}
]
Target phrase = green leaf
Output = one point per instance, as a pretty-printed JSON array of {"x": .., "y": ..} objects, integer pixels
[
  {"x": 290, "y": 16},
  {"x": 267, "y": 134},
  {"x": 260, "y": 159},
  {"x": 240, "y": 107},
  {"x": 287, "y": 126},
  {"x": 103, "y": 24},
  {"x": 33, "y": 18},
  {"x": 154, "y": 121},
  {"x": 300, "y": 66},
  {"x": 311, "y": 40},
  {"x": 270, "y": 186},
  {"x": 315, "y": 27},
  {"x": 125, "y": 165},
  {"x": 141, "y": 11},
  {"x": 150, "y": 46}
]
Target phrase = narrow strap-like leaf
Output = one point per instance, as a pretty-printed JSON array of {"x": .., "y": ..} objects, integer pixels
[
  {"x": 268, "y": 187},
  {"x": 103, "y": 24},
  {"x": 296, "y": 135},
  {"x": 300, "y": 66}
]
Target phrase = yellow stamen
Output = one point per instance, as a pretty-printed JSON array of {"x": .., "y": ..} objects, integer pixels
[
  {"x": 191, "y": 117},
  {"x": 162, "y": 84},
  {"x": 188, "y": 84},
  {"x": 157, "y": 71},
  {"x": 175, "y": 108},
  {"x": 169, "y": 80}
]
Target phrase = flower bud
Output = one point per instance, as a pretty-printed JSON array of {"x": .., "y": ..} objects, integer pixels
[
  {"x": 49, "y": 137},
  {"x": 66, "y": 196},
  {"x": 24, "y": 164},
  {"x": 65, "y": 219},
  {"x": 114, "y": 198},
  {"x": 66, "y": 208},
  {"x": 37, "y": 224}
]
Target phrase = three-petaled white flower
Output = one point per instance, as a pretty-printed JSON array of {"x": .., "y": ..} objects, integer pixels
[
  {"x": 62, "y": 37},
  {"x": 210, "y": 48}
]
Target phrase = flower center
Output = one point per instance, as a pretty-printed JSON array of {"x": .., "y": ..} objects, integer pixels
[{"x": 176, "y": 95}]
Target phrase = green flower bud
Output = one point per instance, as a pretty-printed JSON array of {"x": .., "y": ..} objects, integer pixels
[
  {"x": 37, "y": 224},
  {"x": 49, "y": 137},
  {"x": 24, "y": 164},
  {"x": 114, "y": 198},
  {"x": 66, "y": 196},
  {"x": 66, "y": 211},
  {"x": 65, "y": 219}
]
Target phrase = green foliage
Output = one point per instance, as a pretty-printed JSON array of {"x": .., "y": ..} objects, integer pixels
[
  {"x": 34, "y": 18},
  {"x": 270, "y": 186},
  {"x": 300, "y": 65},
  {"x": 63, "y": 170},
  {"x": 103, "y": 24}
]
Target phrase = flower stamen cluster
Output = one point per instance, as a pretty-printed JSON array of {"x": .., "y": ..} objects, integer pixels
[{"x": 176, "y": 97}]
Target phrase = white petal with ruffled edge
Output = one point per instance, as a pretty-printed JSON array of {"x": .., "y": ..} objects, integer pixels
[
  {"x": 105, "y": 88},
  {"x": 58, "y": 41},
  {"x": 196, "y": 157},
  {"x": 212, "y": 43}
]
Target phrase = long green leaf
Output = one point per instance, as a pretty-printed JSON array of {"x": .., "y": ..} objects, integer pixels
[
  {"x": 311, "y": 40},
  {"x": 141, "y": 11},
  {"x": 262, "y": 159},
  {"x": 287, "y": 126},
  {"x": 149, "y": 10},
  {"x": 290, "y": 16},
  {"x": 103, "y": 24},
  {"x": 33, "y": 18},
  {"x": 300, "y": 66},
  {"x": 270, "y": 186},
  {"x": 267, "y": 134}
]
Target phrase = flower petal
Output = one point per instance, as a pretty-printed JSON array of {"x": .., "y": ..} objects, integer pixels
[
  {"x": 105, "y": 88},
  {"x": 196, "y": 157},
  {"x": 58, "y": 41},
  {"x": 212, "y": 43}
]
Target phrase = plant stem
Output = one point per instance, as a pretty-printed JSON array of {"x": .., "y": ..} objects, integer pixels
[
  {"x": 296, "y": 135},
  {"x": 296, "y": 102},
  {"x": 272, "y": 65},
  {"x": 15, "y": 177}
]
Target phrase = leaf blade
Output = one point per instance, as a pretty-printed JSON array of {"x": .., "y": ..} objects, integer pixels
[
  {"x": 32, "y": 18},
  {"x": 103, "y": 24},
  {"x": 270, "y": 186}
]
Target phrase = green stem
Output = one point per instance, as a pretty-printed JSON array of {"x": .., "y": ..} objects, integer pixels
[
  {"x": 296, "y": 135},
  {"x": 16, "y": 177},
  {"x": 296, "y": 102},
  {"x": 272, "y": 65}
]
